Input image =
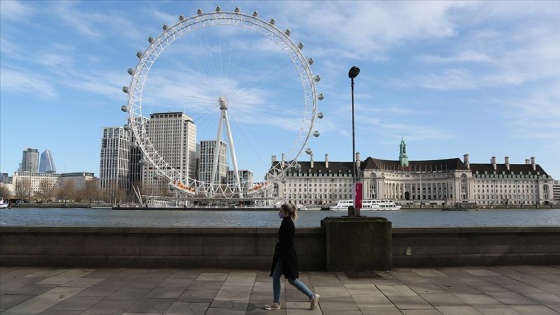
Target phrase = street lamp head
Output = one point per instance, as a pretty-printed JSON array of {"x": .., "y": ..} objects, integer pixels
[{"x": 354, "y": 71}]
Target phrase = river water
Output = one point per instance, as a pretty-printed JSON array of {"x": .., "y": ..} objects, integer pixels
[{"x": 307, "y": 218}]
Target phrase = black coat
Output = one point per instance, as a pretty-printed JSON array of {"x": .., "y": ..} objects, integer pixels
[{"x": 285, "y": 250}]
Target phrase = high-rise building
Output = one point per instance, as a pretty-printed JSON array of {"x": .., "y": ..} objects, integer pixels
[
  {"x": 135, "y": 163},
  {"x": 46, "y": 164},
  {"x": 245, "y": 179},
  {"x": 30, "y": 161},
  {"x": 206, "y": 158},
  {"x": 173, "y": 136},
  {"x": 113, "y": 164}
]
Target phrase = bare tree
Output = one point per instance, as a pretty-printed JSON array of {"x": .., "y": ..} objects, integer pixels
[
  {"x": 23, "y": 189},
  {"x": 66, "y": 191},
  {"x": 5, "y": 192},
  {"x": 91, "y": 190},
  {"x": 46, "y": 190}
]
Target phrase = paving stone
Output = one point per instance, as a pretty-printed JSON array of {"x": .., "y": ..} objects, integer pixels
[
  {"x": 531, "y": 290},
  {"x": 183, "y": 308}
]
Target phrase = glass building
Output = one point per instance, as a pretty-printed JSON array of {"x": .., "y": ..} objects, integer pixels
[{"x": 46, "y": 163}]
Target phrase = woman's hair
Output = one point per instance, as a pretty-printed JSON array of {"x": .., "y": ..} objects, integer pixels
[{"x": 291, "y": 209}]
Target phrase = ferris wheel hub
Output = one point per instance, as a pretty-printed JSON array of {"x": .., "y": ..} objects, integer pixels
[{"x": 223, "y": 103}]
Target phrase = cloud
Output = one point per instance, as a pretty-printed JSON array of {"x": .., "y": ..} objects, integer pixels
[
  {"x": 15, "y": 10},
  {"x": 28, "y": 83},
  {"x": 464, "y": 56}
]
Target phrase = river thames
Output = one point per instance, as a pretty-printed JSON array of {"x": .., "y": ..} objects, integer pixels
[{"x": 307, "y": 218}]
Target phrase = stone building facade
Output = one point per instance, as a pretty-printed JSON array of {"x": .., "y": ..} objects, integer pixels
[{"x": 429, "y": 182}]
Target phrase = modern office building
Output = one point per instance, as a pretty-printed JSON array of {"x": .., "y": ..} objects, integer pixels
[
  {"x": 556, "y": 191},
  {"x": 30, "y": 161},
  {"x": 435, "y": 182},
  {"x": 135, "y": 167},
  {"x": 206, "y": 159},
  {"x": 245, "y": 179},
  {"x": 114, "y": 162},
  {"x": 46, "y": 164},
  {"x": 173, "y": 136}
]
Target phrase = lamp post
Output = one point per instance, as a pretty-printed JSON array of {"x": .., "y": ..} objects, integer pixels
[{"x": 354, "y": 71}]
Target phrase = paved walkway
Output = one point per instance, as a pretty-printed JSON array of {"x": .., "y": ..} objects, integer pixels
[{"x": 533, "y": 290}]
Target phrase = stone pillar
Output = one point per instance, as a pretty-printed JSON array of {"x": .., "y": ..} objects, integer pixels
[{"x": 357, "y": 243}]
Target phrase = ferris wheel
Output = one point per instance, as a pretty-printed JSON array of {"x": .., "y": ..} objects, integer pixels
[{"x": 231, "y": 75}]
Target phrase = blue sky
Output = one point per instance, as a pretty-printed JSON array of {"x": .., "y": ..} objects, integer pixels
[{"x": 473, "y": 77}]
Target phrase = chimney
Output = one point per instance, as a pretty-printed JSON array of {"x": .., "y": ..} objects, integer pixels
[
  {"x": 507, "y": 163},
  {"x": 283, "y": 159},
  {"x": 466, "y": 161},
  {"x": 493, "y": 161},
  {"x": 273, "y": 158},
  {"x": 311, "y": 159},
  {"x": 327, "y": 160},
  {"x": 533, "y": 163},
  {"x": 527, "y": 161}
]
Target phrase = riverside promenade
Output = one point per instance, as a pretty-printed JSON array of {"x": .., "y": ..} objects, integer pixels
[{"x": 531, "y": 290}]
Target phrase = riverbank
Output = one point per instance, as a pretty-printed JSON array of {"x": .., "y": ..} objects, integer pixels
[{"x": 58, "y": 205}]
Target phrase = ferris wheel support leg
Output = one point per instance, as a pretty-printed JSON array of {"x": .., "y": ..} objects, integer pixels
[
  {"x": 217, "y": 151},
  {"x": 233, "y": 156}
]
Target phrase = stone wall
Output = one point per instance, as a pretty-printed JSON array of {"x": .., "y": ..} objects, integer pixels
[
  {"x": 252, "y": 248},
  {"x": 236, "y": 248},
  {"x": 476, "y": 246}
]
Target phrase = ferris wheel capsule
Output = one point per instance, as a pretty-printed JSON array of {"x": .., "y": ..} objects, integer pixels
[
  {"x": 125, "y": 89},
  {"x": 317, "y": 78},
  {"x": 199, "y": 12},
  {"x": 255, "y": 14},
  {"x": 320, "y": 96},
  {"x": 124, "y": 108},
  {"x": 150, "y": 39},
  {"x": 236, "y": 10},
  {"x": 218, "y": 9},
  {"x": 130, "y": 71},
  {"x": 272, "y": 21},
  {"x": 308, "y": 151},
  {"x": 181, "y": 17},
  {"x": 288, "y": 32},
  {"x": 165, "y": 27},
  {"x": 139, "y": 54},
  {"x": 300, "y": 45},
  {"x": 320, "y": 115},
  {"x": 310, "y": 61},
  {"x": 316, "y": 133}
]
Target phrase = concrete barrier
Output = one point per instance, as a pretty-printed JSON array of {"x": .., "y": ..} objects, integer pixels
[
  {"x": 252, "y": 248},
  {"x": 235, "y": 248},
  {"x": 476, "y": 246}
]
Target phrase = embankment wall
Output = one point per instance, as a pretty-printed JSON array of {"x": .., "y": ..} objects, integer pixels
[{"x": 252, "y": 248}]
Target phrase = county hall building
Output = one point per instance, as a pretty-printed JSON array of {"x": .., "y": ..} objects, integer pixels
[{"x": 431, "y": 182}]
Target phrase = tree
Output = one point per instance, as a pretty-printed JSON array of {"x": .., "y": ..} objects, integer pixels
[
  {"x": 66, "y": 191},
  {"x": 5, "y": 192},
  {"x": 23, "y": 189},
  {"x": 91, "y": 190},
  {"x": 46, "y": 190}
]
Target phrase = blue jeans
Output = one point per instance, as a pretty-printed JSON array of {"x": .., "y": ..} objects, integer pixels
[{"x": 295, "y": 282}]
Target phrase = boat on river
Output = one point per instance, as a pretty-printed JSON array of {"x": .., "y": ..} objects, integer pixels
[
  {"x": 4, "y": 203},
  {"x": 367, "y": 205}
]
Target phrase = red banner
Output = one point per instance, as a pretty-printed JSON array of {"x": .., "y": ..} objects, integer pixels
[{"x": 358, "y": 195}]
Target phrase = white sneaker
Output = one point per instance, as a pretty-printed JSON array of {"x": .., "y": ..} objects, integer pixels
[
  {"x": 314, "y": 302},
  {"x": 272, "y": 306}
]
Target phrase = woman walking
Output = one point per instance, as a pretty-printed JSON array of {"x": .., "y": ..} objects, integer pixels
[{"x": 285, "y": 261}]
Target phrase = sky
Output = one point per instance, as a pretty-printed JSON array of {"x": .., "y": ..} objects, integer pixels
[{"x": 449, "y": 77}]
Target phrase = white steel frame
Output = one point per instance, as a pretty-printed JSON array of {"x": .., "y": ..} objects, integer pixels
[{"x": 190, "y": 24}]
